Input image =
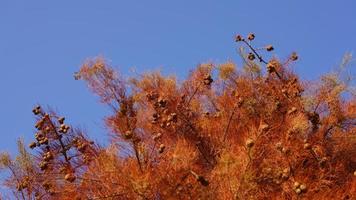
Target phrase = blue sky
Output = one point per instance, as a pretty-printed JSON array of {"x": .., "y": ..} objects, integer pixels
[{"x": 42, "y": 43}]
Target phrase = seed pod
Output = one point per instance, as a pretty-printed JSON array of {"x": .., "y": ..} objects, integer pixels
[
  {"x": 161, "y": 148},
  {"x": 43, "y": 165},
  {"x": 279, "y": 146},
  {"x": 39, "y": 136},
  {"x": 61, "y": 120},
  {"x": 162, "y": 102},
  {"x": 172, "y": 117},
  {"x": 47, "y": 129},
  {"x": 37, "y": 110},
  {"x": 307, "y": 146},
  {"x": 238, "y": 38},
  {"x": 208, "y": 80},
  {"x": 292, "y": 110},
  {"x": 48, "y": 156},
  {"x": 303, "y": 187},
  {"x": 82, "y": 147},
  {"x": 296, "y": 185},
  {"x": 70, "y": 177},
  {"x": 155, "y": 115},
  {"x": 251, "y": 36},
  {"x": 157, "y": 136},
  {"x": 298, "y": 191},
  {"x": 294, "y": 56},
  {"x": 269, "y": 48},
  {"x": 128, "y": 135},
  {"x": 251, "y": 56},
  {"x": 270, "y": 67},
  {"x": 43, "y": 141},
  {"x": 39, "y": 124},
  {"x": 322, "y": 162},
  {"x": 249, "y": 143},
  {"x": 32, "y": 145},
  {"x": 203, "y": 181},
  {"x": 354, "y": 173},
  {"x": 264, "y": 127}
]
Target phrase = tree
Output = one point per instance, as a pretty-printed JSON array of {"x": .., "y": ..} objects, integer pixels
[{"x": 223, "y": 133}]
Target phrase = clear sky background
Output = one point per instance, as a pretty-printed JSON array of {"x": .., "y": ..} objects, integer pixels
[{"x": 42, "y": 43}]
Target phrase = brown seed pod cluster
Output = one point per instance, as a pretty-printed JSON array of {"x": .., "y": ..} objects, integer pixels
[
  {"x": 55, "y": 143},
  {"x": 299, "y": 188}
]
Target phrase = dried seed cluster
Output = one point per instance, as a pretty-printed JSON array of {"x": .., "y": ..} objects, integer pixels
[
  {"x": 54, "y": 142},
  {"x": 299, "y": 188}
]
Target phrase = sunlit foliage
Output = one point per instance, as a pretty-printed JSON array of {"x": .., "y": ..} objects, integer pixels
[{"x": 225, "y": 132}]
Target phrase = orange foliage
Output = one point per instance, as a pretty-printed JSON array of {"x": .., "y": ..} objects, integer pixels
[{"x": 223, "y": 133}]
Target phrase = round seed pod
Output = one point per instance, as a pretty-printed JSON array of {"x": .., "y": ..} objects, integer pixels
[
  {"x": 70, "y": 177},
  {"x": 249, "y": 143},
  {"x": 82, "y": 147},
  {"x": 43, "y": 141},
  {"x": 294, "y": 56},
  {"x": 128, "y": 135},
  {"x": 296, "y": 185},
  {"x": 269, "y": 48},
  {"x": 157, "y": 136},
  {"x": 208, "y": 80},
  {"x": 202, "y": 180},
  {"x": 37, "y": 110},
  {"x": 47, "y": 129},
  {"x": 61, "y": 120},
  {"x": 298, "y": 191},
  {"x": 162, "y": 102},
  {"x": 292, "y": 110},
  {"x": 270, "y": 67},
  {"x": 32, "y": 145},
  {"x": 48, "y": 156},
  {"x": 279, "y": 146},
  {"x": 307, "y": 146},
  {"x": 251, "y": 56},
  {"x": 251, "y": 36},
  {"x": 303, "y": 187},
  {"x": 161, "y": 148},
  {"x": 43, "y": 165},
  {"x": 172, "y": 117},
  {"x": 238, "y": 38}
]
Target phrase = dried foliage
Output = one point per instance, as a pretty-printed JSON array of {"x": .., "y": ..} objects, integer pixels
[{"x": 223, "y": 133}]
